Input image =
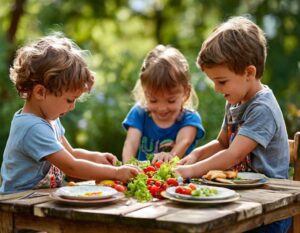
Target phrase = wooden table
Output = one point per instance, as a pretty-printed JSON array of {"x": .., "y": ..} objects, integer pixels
[{"x": 274, "y": 201}]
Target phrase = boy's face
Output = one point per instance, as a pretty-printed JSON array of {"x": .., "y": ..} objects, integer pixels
[
  {"x": 53, "y": 107},
  {"x": 235, "y": 88}
]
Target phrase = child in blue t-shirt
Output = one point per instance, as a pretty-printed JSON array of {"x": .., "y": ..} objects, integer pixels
[
  {"x": 253, "y": 136},
  {"x": 163, "y": 122},
  {"x": 50, "y": 74}
]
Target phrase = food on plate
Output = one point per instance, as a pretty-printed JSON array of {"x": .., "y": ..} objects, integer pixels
[
  {"x": 231, "y": 174},
  {"x": 221, "y": 176},
  {"x": 71, "y": 183},
  {"x": 195, "y": 191},
  {"x": 91, "y": 194},
  {"x": 119, "y": 186},
  {"x": 226, "y": 181}
]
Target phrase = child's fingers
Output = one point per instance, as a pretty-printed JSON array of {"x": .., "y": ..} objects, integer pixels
[{"x": 111, "y": 158}]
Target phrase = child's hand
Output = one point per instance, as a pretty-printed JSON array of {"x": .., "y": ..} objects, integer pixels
[
  {"x": 162, "y": 156},
  {"x": 126, "y": 172},
  {"x": 189, "y": 159},
  {"x": 106, "y": 158},
  {"x": 183, "y": 171}
]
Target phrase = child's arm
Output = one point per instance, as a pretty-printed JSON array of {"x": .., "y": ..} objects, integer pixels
[
  {"x": 131, "y": 143},
  {"x": 84, "y": 169},
  {"x": 222, "y": 160},
  {"x": 207, "y": 150},
  {"x": 97, "y": 157},
  {"x": 184, "y": 139}
]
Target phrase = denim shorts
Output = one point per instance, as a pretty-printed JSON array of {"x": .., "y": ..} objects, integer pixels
[{"x": 281, "y": 226}]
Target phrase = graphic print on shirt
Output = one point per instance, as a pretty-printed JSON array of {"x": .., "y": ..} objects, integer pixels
[
  {"x": 53, "y": 179},
  {"x": 150, "y": 146},
  {"x": 232, "y": 131}
]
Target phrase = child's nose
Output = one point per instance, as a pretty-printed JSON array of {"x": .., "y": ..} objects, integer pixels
[{"x": 162, "y": 107}]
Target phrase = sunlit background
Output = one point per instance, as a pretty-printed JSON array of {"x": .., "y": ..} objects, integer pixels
[{"x": 119, "y": 33}]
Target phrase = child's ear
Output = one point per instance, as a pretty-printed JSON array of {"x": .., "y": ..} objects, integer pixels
[
  {"x": 251, "y": 71},
  {"x": 39, "y": 92}
]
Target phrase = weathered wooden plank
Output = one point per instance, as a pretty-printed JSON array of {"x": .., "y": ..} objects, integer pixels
[
  {"x": 270, "y": 199},
  {"x": 196, "y": 220},
  {"x": 55, "y": 225},
  {"x": 22, "y": 205},
  {"x": 259, "y": 220},
  {"x": 285, "y": 183},
  {"x": 6, "y": 222},
  {"x": 202, "y": 218},
  {"x": 109, "y": 212}
]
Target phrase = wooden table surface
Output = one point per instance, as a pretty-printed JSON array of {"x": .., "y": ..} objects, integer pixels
[{"x": 262, "y": 205}]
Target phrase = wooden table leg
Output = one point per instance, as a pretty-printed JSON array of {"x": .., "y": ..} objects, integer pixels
[{"x": 6, "y": 222}]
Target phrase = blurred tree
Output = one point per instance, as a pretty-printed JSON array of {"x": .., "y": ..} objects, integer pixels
[{"x": 119, "y": 33}]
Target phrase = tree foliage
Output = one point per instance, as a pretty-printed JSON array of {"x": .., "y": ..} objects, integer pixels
[{"x": 119, "y": 33}]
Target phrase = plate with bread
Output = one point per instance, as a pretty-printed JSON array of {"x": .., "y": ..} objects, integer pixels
[{"x": 234, "y": 179}]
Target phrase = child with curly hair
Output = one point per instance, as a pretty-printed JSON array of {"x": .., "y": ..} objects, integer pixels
[{"x": 50, "y": 74}]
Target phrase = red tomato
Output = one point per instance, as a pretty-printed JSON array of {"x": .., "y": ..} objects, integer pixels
[
  {"x": 172, "y": 182},
  {"x": 154, "y": 190},
  {"x": 164, "y": 186},
  {"x": 157, "y": 165},
  {"x": 149, "y": 169},
  {"x": 158, "y": 183},
  {"x": 150, "y": 181},
  {"x": 179, "y": 189},
  {"x": 187, "y": 191},
  {"x": 183, "y": 190},
  {"x": 192, "y": 186},
  {"x": 119, "y": 188}
]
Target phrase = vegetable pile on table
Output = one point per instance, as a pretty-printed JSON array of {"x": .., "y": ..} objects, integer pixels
[{"x": 155, "y": 179}]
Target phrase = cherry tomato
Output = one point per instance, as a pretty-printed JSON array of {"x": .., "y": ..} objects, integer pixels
[
  {"x": 149, "y": 169},
  {"x": 119, "y": 188},
  {"x": 158, "y": 183},
  {"x": 192, "y": 186},
  {"x": 172, "y": 182},
  {"x": 179, "y": 189},
  {"x": 150, "y": 181}
]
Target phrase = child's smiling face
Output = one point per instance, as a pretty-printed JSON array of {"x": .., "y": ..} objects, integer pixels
[
  {"x": 236, "y": 88},
  {"x": 165, "y": 107}
]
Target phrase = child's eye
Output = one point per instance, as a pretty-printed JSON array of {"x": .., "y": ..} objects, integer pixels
[
  {"x": 171, "y": 101},
  {"x": 152, "y": 101},
  {"x": 70, "y": 101},
  {"x": 222, "y": 82}
]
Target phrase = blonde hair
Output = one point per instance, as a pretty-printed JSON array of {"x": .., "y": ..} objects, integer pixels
[
  {"x": 53, "y": 61},
  {"x": 163, "y": 69},
  {"x": 236, "y": 43}
]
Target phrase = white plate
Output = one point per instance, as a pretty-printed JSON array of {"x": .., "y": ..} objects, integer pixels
[
  {"x": 245, "y": 180},
  {"x": 113, "y": 198},
  {"x": 80, "y": 192},
  {"x": 206, "y": 202},
  {"x": 222, "y": 193},
  {"x": 250, "y": 177}
]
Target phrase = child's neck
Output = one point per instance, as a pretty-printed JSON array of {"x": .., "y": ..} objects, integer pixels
[
  {"x": 257, "y": 86},
  {"x": 33, "y": 108}
]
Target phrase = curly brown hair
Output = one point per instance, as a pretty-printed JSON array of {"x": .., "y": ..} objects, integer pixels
[{"x": 53, "y": 61}]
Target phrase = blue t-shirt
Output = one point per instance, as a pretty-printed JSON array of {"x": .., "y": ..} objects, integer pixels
[
  {"x": 30, "y": 140},
  {"x": 261, "y": 120},
  {"x": 155, "y": 139}
]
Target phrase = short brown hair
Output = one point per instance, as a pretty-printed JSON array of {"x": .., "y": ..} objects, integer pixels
[
  {"x": 236, "y": 43},
  {"x": 53, "y": 61}
]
